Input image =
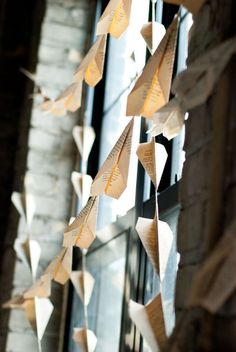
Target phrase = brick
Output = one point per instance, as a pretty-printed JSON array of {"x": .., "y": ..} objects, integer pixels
[{"x": 73, "y": 17}]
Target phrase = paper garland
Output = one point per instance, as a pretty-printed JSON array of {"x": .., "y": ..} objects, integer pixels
[{"x": 153, "y": 33}]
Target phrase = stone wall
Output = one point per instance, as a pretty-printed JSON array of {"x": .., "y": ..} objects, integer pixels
[{"x": 51, "y": 154}]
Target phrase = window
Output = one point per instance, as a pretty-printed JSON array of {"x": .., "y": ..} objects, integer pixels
[{"x": 117, "y": 259}]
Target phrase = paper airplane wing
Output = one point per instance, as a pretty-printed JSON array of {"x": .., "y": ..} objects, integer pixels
[
  {"x": 82, "y": 185},
  {"x": 79, "y": 336},
  {"x": 153, "y": 33},
  {"x": 84, "y": 284},
  {"x": 84, "y": 137},
  {"x": 43, "y": 310}
]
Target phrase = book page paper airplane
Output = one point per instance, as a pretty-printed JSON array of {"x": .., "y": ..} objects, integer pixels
[
  {"x": 61, "y": 267},
  {"x": 112, "y": 177},
  {"x": 149, "y": 320},
  {"x": 83, "y": 283},
  {"x": 152, "y": 89},
  {"x": 153, "y": 33},
  {"x": 115, "y": 18},
  {"x": 82, "y": 185},
  {"x": 71, "y": 98},
  {"x": 191, "y": 5},
  {"x": 56, "y": 109},
  {"x": 37, "y": 310},
  {"x": 43, "y": 312},
  {"x": 215, "y": 281},
  {"x": 169, "y": 120},
  {"x": 194, "y": 85},
  {"x": 91, "y": 67},
  {"x": 156, "y": 241},
  {"x": 82, "y": 231},
  {"x": 41, "y": 288},
  {"x": 25, "y": 204},
  {"x": 29, "y": 252},
  {"x": 84, "y": 137},
  {"x": 153, "y": 157},
  {"x": 79, "y": 336}
]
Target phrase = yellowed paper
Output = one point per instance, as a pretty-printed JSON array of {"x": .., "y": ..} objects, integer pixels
[
  {"x": 153, "y": 157},
  {"x": 41, "y": 288},
  {"x": 191, "y": 5},
  {"x": 29, "y": 252},
  {"x": 56, "y": 109},
  {"x": 82, "y": 231},
  {"x": 37, "y": 310},
  {"x": 25, "y": 204},
  {"x": 195, "y": 85},
  {"x": 149, "y": 320},
  {"x": 152, "y": 89},
  {"x": 112, "y": 177},
  {"x": 79, "y": 336},
  {"x": 91, "y": 67},
  {"x": 61, "y": 267},
  {"x": 153, "y": 33},
  {"x": 169, "y": 120},
  {"x": 157, "y": 242},
  {"x": 115, "y": 18},
  {"x": 84, "y": 137},
  {"x": 83, "y": 283},
  {"x": 215, "y": 281},
  {"x": 82, "y": 185}
]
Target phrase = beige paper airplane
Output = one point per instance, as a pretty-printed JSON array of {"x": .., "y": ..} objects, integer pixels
[
  {"x": 149, "y": 320},
  {"x": 91, "y": 67},
  {"x": 84, "y": 137},
  {"x": 152, "y": 89},
  {"x": 156, "y": 241},
  {"x": 29, "y": 252},
  {"x": 71, "y": 98},
  {"x": 191, "y": 5},
  {"x": 112, "y": 177},
  {"x": 82, "y": 185},
  {"x": 169, "y": 120},
  {"x": 37, "y": 310},
  {"x": 41, "y": 288},
  {"x": 215, "y": 281},
  {"x": 153, "y": 157},
  {"x": 82, "y": 231},
  {"x": 49, "y": 106},
  {"x": 25, "y": 204},
  {"x": 83, "y": 283},
  {"x": 79, "y": 336},
  {"x": 195, "y": 85},
  {"x": 115, "y": 18},
  {"x": 152, "y": 33}
]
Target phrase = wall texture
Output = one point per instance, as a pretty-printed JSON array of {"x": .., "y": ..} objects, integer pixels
[{"x": 49, "y": 157}]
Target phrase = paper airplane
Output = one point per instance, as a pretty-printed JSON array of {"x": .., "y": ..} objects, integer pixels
[
  {"x": 195, "y": 85},
  {"x": 115, "y": 18},
  {"x": 41, "y": 288},
  {"x": 112, "y": 177},
  {"x": 56, "y": 109},
  {"x": 156, "y": 241},
  {"x": 82, "y": 185},
  {"x": 29, "y": 252},
  {"x": 149, "y": 320},
  {"x": 169, "y": 120},
  {"x": 83, "y": 283},
  {"x": 152, "y": 33},
  {"x": 91, "y": 67},
  {"x": 79, "y": 336},
  {"x": 25, "y": 204},
  {"x": 37, "y": 310},
  {"x": 152, "y": 89},
  {"x": 191, "y": 5},
  {"x": 84, "y": 137},
  {"x": 153, "y": 157},
  {"x": 82, "y": 231}
]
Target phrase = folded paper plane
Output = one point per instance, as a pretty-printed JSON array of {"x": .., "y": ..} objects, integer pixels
[
  {"x": 112, "y": 177},
  {"x": 83, "y": 283},
  {"x": 91, "y": 67},
  {"x": 152, "y": 33},
  {"x": 25, "y": 204},
  {"x": 82, "y": 185},
  {"x": 152, "y": 89},
  {"x": 157, "y": 238},
  {"x": 153, "y": 157},
  {"x": 169, "y": 120},
  {"x": 41, "y": 288},
  {"x": 84, "y": 137},
  {"x": 29, "y": 252},
  {"x": 82, "y": 231},
  {"x": 86, "y": 339},
  {"x": 115, "y": 18},
  {"x": 149, "y": 320}
]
